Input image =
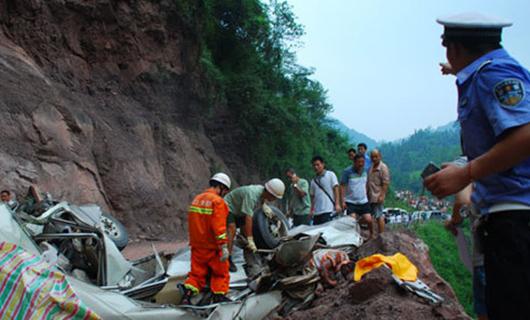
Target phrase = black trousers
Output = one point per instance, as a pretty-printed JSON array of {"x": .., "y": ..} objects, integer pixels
[
  {"x": 301, "y": 219},
  {"x": 321, "y": 218},
  {"x": 506, "y": 243}
]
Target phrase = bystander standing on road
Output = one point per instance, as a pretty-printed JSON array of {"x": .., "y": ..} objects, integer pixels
[
  {"x": 7, "y": 198},
  {"x": 324, "y": 190},
  {"x": 362, "y": 149},
  {"x": 494, "y": 115},
  {"x": 298, "y": 199},
  {"x": 378, "y": 182},
  {"x": 353, "y": 184},
  {"x": 351, "y": 154},
  {"x": 462, "y": 208}
]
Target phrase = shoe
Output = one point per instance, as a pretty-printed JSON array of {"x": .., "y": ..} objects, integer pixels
[
  {"x": 232, "y": 267},
  {"x": 185, "y": 293},
  {"x": 219, "y": 298}
]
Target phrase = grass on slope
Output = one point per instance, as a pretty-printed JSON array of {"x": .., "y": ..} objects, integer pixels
[{"x": 444, "y": 256}]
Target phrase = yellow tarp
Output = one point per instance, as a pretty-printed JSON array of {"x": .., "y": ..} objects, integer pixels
[{"x": 399, "y": 263}]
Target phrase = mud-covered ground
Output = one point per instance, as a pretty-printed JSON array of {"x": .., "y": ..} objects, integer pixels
[{"x": 377, "y": 296}]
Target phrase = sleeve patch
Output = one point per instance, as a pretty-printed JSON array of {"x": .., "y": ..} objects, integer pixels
[{"x": 509, "y": 92}]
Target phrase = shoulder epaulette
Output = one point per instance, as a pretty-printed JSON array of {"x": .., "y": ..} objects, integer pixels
[{"x": 484, "y": 64}]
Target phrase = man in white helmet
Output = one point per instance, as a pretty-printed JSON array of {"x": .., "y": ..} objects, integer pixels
[
  {"x": 207, "y": 234},
  {"x": 242, "y": 202}
]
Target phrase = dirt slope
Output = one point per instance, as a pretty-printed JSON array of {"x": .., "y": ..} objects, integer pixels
[{"x": 103, "y": 101}]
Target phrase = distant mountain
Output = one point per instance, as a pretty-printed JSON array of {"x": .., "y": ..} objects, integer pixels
[
  {"x": 451, "y": 126},
  {"x": 354, "y": 136},
  {"x": 407, "y": 157}
]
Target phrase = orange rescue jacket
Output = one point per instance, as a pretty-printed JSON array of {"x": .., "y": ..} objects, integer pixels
[{"x": 207, "y": 220}]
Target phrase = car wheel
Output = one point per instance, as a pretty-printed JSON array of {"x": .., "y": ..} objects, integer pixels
[
  {"x": 267, "y": 232},
  {"x": 115, "y": 231}
]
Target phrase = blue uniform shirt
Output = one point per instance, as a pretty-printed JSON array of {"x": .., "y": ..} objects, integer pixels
[
  {"x": 367, "y": 161},
  {"x": 494, "y": 96}
]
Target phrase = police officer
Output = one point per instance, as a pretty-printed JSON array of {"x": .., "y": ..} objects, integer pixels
[{"x": 494, "y": 114}]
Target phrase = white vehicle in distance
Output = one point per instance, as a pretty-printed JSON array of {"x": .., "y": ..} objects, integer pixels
[{"x": 395, "y": 215}]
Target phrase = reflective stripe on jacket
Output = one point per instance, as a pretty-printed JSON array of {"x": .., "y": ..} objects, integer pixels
[{"x": 207, "y": 220}]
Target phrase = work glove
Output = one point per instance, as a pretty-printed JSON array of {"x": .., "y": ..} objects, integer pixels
[
  {"x": 267, "y": 211},
  {"x": 251, "y": 245},
  {"x": 224, "y": 253}
]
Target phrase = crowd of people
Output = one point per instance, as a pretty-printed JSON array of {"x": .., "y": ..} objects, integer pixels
[
  {"x": 360, "y": 192},
  {"x": 423, "y": 202}
]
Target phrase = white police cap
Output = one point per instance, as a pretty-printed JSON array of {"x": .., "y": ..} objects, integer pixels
[
  {"x": 473, "y": 20},
  {"x": 473, "y": 25}
]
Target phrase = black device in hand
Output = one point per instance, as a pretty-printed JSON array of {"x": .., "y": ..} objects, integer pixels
[{"x": 429, "y": 169}]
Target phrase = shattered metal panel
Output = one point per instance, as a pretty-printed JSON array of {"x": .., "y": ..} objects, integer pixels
[
  {"x": 255, "y": 307},
  {"x": 180, "y": 264},
  {"x": 11, "y": 231},
  {"x": 340, "y": 232}
]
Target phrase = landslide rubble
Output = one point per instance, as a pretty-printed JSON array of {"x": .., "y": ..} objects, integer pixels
[
  {"x": 104, "y": 101},
  {"x": 377, "y": 296}
]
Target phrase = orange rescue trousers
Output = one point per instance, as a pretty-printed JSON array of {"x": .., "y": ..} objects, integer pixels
[{"x": 202, "y": 261}]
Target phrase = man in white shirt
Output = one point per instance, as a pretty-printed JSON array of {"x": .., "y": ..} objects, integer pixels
[{"x": 324, "y": 191}]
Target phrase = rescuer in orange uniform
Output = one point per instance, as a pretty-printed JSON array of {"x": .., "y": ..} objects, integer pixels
[{"x": 207, "y": 216}]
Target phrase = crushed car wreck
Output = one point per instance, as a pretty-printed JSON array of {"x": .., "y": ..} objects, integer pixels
[
  {"x": 115, "y": 302},
  {"x": 286, "y": 268},
  {"x": 285, "y": 276},
  {"x": 73, "y": 240}
]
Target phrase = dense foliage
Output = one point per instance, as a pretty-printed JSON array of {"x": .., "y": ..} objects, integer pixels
[
  {"x": 407, "y": 158},
  {"x": 248, "y": 56},
  {"x": 444, "y": 256}
]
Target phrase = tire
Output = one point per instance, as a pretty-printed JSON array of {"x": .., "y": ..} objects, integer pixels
[
  {"x": 267, "y": 233},
  {"x": 115, "y": 231}
]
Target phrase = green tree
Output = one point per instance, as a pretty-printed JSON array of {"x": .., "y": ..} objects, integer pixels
[
  {"x": 408, "y": 157},
  {"x": 247, "y": 53}
]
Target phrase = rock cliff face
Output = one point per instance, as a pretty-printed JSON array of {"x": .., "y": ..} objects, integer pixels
[{"x": 104, "y": 101}]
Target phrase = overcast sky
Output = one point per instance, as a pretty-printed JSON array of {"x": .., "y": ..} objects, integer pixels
[{"x": 379, "y": 59}]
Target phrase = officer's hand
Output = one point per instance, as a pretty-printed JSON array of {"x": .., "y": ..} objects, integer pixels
[
  {"x": 267, "y": 211},
  {"x": 251, "y": 245},
  {"x": 447, "y": 181},
  {"x": 446, "y": 68},
  {"x": 224, "y": 253},
  {"x": 338, "y": 208}
]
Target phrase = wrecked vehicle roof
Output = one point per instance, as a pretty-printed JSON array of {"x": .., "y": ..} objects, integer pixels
[
  {"x": 344, "y": 231},
  {"x": 115, "y": 305},
  {"x": 284, "y": 285}
]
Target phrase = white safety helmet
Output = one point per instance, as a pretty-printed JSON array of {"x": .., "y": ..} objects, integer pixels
[
  {"x": 275, "y": 187},
  {"x": 222, "y": 178}
]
